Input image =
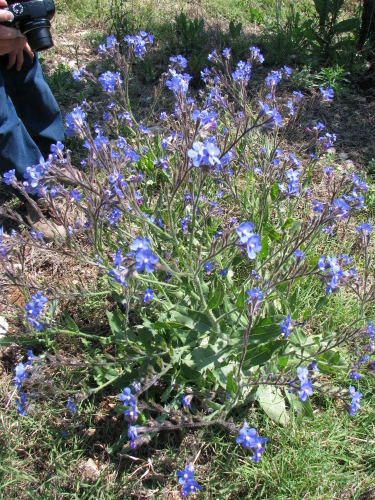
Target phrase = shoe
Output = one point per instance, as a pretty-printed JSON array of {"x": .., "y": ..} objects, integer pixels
[{"x": 52, "y": 230}]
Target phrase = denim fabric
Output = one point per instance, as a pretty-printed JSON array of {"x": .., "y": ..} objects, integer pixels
[{"x": 30, "y": 119}]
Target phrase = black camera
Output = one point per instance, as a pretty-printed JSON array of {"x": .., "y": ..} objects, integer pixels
[{"x": 33, "y": 18}]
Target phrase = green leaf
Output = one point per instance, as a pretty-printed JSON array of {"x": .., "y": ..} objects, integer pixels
[
  {"x": 298, "y": 337},
  {"x": 193, "y": 320},
  {"x": 272, "y": 233},
  {"x": 263, "y": 254},
  {"x": 117, "y": 324},
  {"x": 323, "y": 301},
  {"x": 274, "y": 191},
  {"x": 240, "y": 302},
  {"x": 288, "y": 224},
  {"x": 231, "y": 385},
  {"x": 262, "y": 353},
  {"x": 70, "y": 323},
  {"x": 272, "y": 402},
  {"x": 302, "y": 408},
  {"x": 216, "y": 298},
  {"x": 345, "y": 25}
]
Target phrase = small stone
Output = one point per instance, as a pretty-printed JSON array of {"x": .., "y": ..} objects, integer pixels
[{"x": 343, "y": 156}]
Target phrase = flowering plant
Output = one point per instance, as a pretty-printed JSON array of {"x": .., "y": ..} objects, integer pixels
[{"x": 203, "y": 236}]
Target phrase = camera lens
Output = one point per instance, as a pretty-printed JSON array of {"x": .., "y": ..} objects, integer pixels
[{"x": 38, "y": 34}]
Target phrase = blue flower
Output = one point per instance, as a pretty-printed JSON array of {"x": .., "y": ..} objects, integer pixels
[
  {"x": 184, "y": 224},
  {"x": 298, "y": 254},
  {"x": 36, "y": 305},
  {"x": 132, "y": 414},
  {"x": 140, "y": 244},
  {"x": 354, "y": 375},
  {"x": 180, "y": 62},
  {"x": 364, "y": 229},
  {"x": 255, "y": 295},
  {"x": 133, "y": 436},
  {"x": 185, "y": 400},
  {"x": 286, "y": 326},
  {"x": 249, "y": 440},
  {"x": 210, "y": 153},
  {"x": 327, "y": 93},
  {"x": 149, "y": 295},
  {"x": 196, "y": 154},
  {"x": 75, "y": 195},
  {"x": 71, "y": 406},
  {"x": 226, "y": 53},
  {"x": 253, "y": 246},
  {"x": 21, "y": 404},
  {"x": 223, "y": 272},
  {"x": 370, "y": 330},
  {"x": 318, "y": 207},
  {"x": 77, "y": 74},
  {"x": 21, "y": 374},
  {"x": 8, "y": 177},
  {"x": 145, "y": 259},
  {"x": 179, "y": 84},
  {"x": 75, "y": 122},
  {"x": 185, "y": 474},
  {"x": 191, "y": 486},
  {"x": 208, "y": 267},
  {"x": 356, "y": 396},
  {"x": 127, "y": 397},
  {"x": 245, "y": 231},
  {"x": 306, "y": 386},
  {"x": 109, "y": 80},
  {"x": 255, "y": 53}
]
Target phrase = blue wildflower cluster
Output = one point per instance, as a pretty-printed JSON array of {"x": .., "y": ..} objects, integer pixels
[
  {"x": 187, "y": 481},
  {"x": 131, "y": 415},
  {"x": 249, "y": 239},
  {"x": 35, "y": 309},
  {"x": 248, "y": 439}
]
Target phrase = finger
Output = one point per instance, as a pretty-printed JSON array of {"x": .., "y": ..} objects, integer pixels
[
  {"x": 7, "y": 43},
  {"x": 19, "y": 60},
  {"x": 28, "y": 51},
  {"x": 11, "y": 59},
  {"x": 3, "y": 3},
  {"x": 6, "y": 49},
  {"x": 5, "y": 31}
]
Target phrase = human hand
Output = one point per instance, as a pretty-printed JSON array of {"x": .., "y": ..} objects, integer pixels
[
  {"x": 7, "y": 35},
  {"x": 16, "y": 56}
]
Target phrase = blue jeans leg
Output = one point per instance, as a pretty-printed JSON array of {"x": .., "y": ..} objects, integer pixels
[{"x": 30, "y": 119}]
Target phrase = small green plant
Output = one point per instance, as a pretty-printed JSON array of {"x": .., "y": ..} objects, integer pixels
[
  {"x": 191, "y": 33},
  {"x": 122, "y": 19},
  {"x": 371, "y": 167},
  {"x": 148, "y": 71},
  {"x": 284, "y": 42},
  {"x": 327, "y": 40}
]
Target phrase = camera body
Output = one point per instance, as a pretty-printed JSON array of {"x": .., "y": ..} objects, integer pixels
[{"x": 33, "y": 18}]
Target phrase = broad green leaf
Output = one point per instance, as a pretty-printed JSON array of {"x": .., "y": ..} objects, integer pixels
[
  {"x": 71, "y": 324},
  {"x": 272, "y": 233},
  {"x": 274, "y": 191},
  {"x": 262, "y": 353},
  {"x": 217, "y": 297},
  {"x": 345, "y": 25},
  {"x": 231, "y": 385},
  {"x": 193, "y": 320},
  {"x": 302, "y": 408},
  {"x": 240, "y": 302},
  {"x": 272, "y": 402},
  {"x": 263, "y": 254},
  {"x": 117, "y": 324}
]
